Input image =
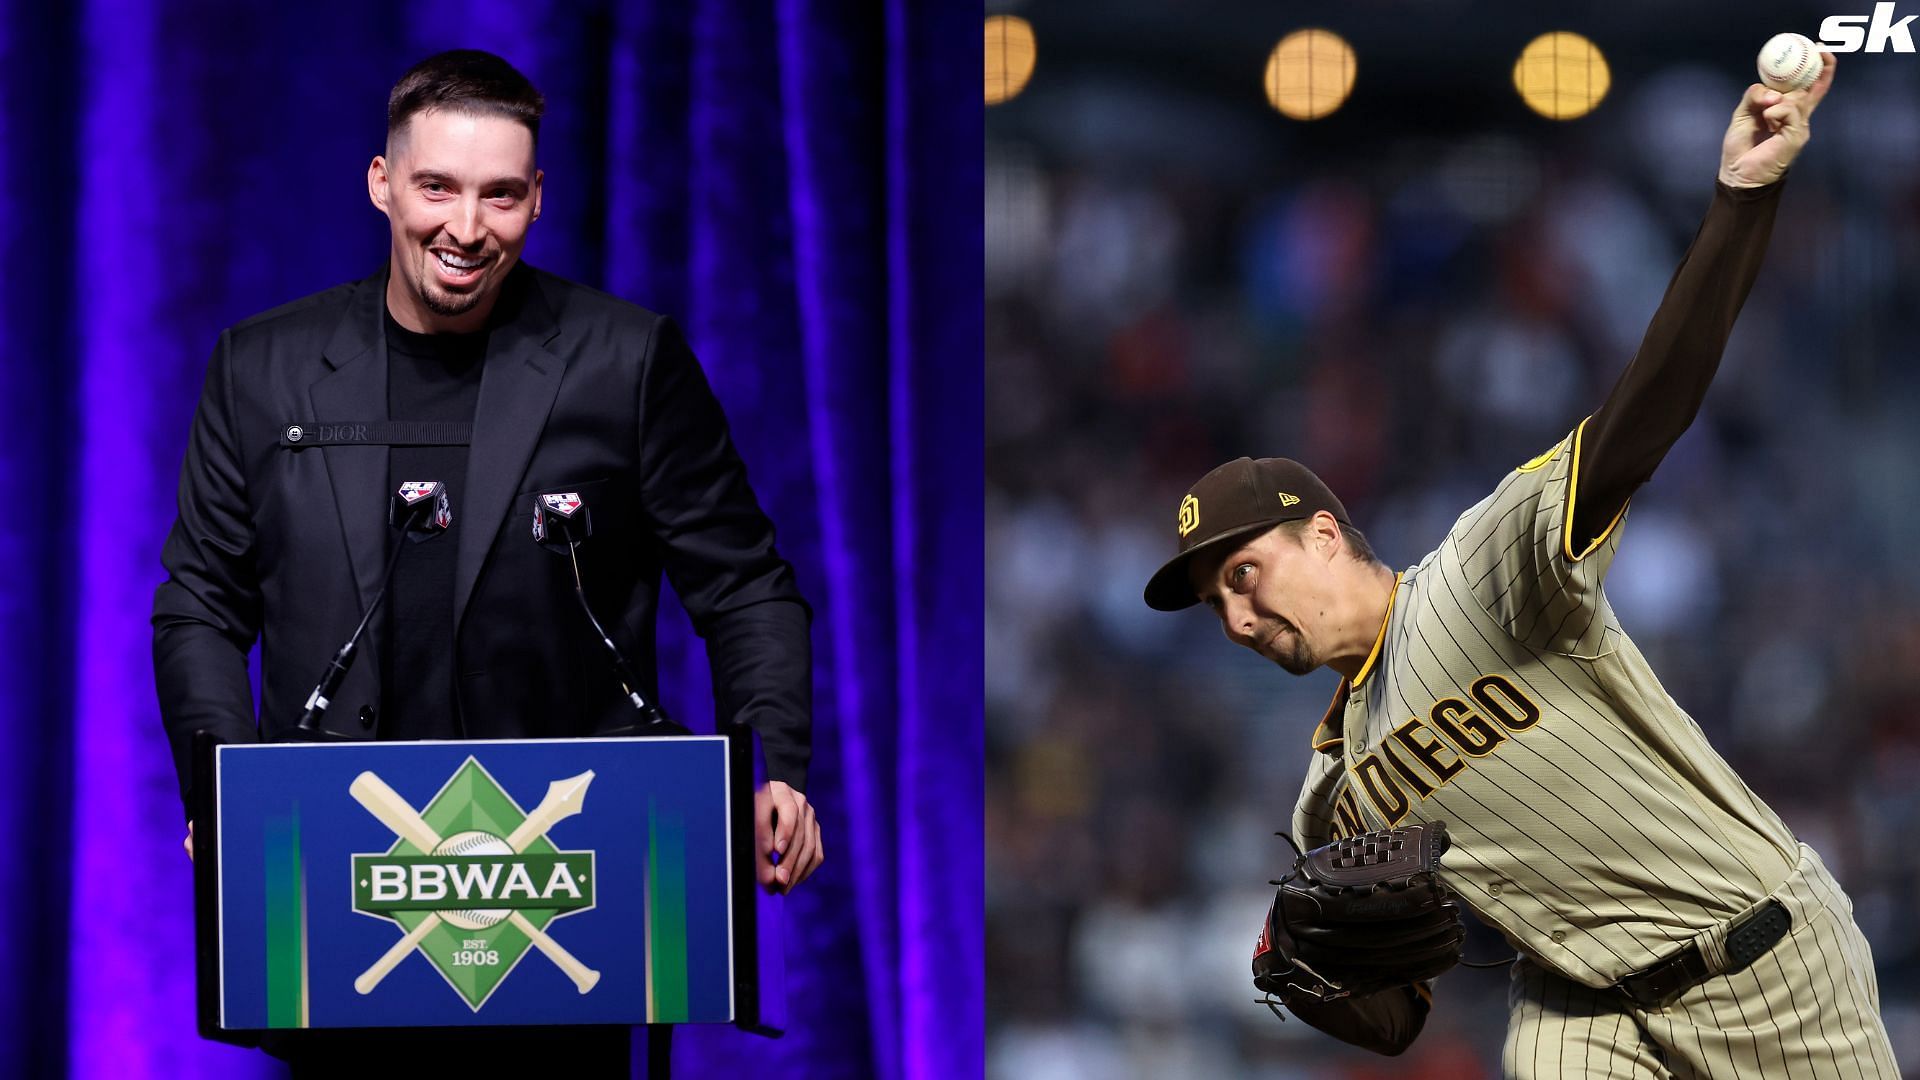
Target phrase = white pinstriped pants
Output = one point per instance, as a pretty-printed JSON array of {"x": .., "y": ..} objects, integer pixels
[{"x": 1807, "y": 1010}]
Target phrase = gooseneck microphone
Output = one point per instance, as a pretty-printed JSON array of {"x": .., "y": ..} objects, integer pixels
[
  {"x": 420, "y": 510},
  {"x": 561, "y": 523}
]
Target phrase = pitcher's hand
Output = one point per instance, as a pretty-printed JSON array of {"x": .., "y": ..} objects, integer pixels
[{"x": 1768, "y": 130}]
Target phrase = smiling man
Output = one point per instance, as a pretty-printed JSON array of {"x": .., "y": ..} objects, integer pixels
[
  {"x": 457, "y": 362},
  {"x": 1667, "y": 922},
  {"x": 459, "y": 186}
]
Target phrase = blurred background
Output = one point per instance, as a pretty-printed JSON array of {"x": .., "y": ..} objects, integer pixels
[{"x": 1412, "y": 251}]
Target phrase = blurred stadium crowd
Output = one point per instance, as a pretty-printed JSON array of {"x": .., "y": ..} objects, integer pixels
[{"x": 1412, "y": 314}]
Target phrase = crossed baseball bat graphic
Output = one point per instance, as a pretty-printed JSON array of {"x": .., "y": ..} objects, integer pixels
[{"x": 562, "y": 801}]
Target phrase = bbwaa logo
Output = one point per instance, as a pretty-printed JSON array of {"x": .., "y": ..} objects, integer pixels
[
  {"x": 564, "y": 505},
  {"x": 1873, "y": 33},
  {"x": 472, "y": 880}
]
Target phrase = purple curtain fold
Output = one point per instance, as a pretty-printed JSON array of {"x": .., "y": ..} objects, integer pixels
[
  {"x": 798, "y": 182},
  {"x": 37, "y": 536},
  {"x": 939, "y": 521}
]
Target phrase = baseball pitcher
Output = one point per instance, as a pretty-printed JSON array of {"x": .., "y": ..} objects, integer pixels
[{"x": 1498, "y": 742}]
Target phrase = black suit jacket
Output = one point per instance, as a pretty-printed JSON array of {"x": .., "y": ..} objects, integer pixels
[{"x": 580, "y": 392}]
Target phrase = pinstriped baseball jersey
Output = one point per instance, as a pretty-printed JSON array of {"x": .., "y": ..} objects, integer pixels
[{"x": 1592, "y": 823}]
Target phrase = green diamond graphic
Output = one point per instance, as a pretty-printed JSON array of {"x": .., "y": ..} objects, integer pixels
[{"x": 476, "y": 944}]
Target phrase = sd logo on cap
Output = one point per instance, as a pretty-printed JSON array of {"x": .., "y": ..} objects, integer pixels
[{"x": 1241, "y": 497}]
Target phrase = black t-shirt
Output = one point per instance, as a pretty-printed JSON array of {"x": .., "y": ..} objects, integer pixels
[{"x": 429, "y": 377}]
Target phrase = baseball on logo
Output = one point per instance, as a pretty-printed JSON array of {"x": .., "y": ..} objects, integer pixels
[{"x": 473, "y": 842}]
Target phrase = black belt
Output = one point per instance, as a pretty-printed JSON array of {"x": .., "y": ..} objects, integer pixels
[{"x": 1747, "y": 941}]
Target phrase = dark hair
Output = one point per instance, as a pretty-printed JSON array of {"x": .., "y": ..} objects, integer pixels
[
  {"x": 1355, "y": 540},
  {"x": 468, "y": 81}
]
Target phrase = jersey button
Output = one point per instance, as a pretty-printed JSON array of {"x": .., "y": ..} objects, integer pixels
[
  {"x": 1493, "y": 889},
  {"x": 1559, "y": 936}
]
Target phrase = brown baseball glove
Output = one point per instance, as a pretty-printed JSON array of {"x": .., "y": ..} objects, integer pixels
[{"x": 1358, "y": 916}]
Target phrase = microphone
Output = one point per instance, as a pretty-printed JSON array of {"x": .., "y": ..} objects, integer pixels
[
  {"x": 561, "y": 522},
  {"x": 421, "y": 505},
  {"x": 421, "y": 510},
  {"x": 560, "y": 518}
]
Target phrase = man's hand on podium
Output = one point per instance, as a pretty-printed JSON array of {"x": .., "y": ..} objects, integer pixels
[{"x": 784, "y": 825}]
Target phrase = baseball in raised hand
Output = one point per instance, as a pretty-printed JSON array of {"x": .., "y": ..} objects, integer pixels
[{"x": 1768, "y": 129}]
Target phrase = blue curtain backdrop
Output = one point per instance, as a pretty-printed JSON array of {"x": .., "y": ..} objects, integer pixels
[{"x": 798, "y": 182}]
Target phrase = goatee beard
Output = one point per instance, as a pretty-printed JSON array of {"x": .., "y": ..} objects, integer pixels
[
  {"x": 1298, "y": 661},
  {"x": 440, "y": 301},
  {"x": 448, "y": 303}
]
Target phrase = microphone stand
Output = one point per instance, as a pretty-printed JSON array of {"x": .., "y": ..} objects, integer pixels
[
  {"x": 567, "y": 516},
  {"x": 650, "y": 718},
  {"x": 317, "y": 702},
  {"x": 422, "y": 511}
]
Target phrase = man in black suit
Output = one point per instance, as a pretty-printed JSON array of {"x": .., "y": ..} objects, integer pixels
[{"x": 460, "y": 364}]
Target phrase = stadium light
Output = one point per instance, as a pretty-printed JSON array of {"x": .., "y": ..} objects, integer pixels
[
  {"x": 1309, "y": 74},
  {"x": 1010, "y": 57},
  {"x": 1561, "y": 76}
]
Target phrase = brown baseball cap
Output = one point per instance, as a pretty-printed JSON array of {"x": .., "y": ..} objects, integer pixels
[{"x": 1230, "y": 503}]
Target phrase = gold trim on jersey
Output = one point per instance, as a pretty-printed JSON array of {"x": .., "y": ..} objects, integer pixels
[
  {"x": 1379, "y": 639},
  {"x": 1544, "y": 457},
  {"x": 1573, "y": 488},
  {"x": 1328, "y": 737}
]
